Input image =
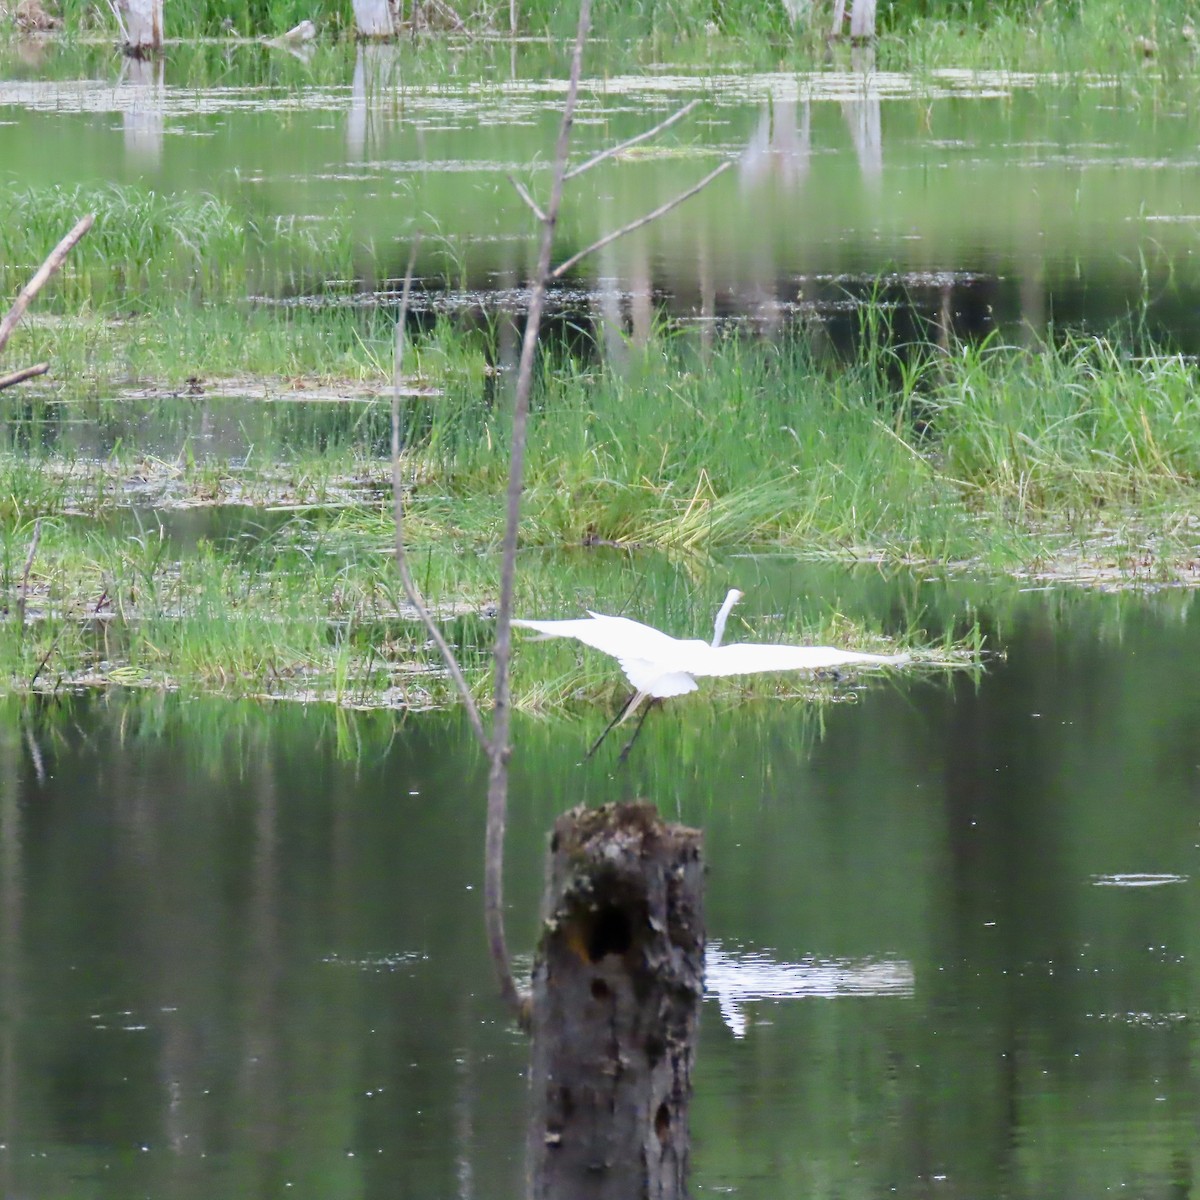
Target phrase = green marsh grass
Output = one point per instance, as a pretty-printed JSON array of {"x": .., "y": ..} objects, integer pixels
[
  {"x": 992, "y": 457},
  {"x": 312, "y": 610},
  {"x": 150, "y": 247},
  {"x": 1027, "y": 35}
]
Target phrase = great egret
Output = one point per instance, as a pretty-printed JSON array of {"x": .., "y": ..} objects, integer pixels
[{"x": 659, "y": 666}]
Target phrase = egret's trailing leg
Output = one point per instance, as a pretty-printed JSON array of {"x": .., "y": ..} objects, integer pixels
[
  {"x": 636, "y": 730},
  {"x": 622, "y": 713}
]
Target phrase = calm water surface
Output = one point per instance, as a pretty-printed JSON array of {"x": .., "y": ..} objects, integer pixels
[
  {"x": 954, "y": 932},
  {"x": 979, "y": 201}
]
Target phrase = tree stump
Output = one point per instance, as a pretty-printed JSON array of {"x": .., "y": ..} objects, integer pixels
[
  {"x": 617, "y": 984},
  {"x": 373, "y": 19},
  {"x": 141, "y": 26}
]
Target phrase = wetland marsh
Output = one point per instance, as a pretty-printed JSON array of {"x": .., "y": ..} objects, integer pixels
[{"x": 919, "y": 372}]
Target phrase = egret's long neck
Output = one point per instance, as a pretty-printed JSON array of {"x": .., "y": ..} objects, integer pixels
[{"x": 722, "y": 616}]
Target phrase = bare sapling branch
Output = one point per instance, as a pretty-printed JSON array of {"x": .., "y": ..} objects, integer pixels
[
  {"x": 499, "y": 751},
  {"x": 402, "y": 567},
  {"x": 620, "y": 147},
  {"x": 45, "y": 272},
  {"x": 15, "y": 377},
  {"x": 23, "y": 592},
  {"x": 608, "y": 238},
  {"x": 529, "y": 200}
]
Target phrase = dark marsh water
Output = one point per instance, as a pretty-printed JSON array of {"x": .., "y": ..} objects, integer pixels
[
  {"x": 954, "y": 931},
  {"x": 953, "y": 923}
]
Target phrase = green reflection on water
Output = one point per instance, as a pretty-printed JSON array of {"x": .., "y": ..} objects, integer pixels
[{"x": 242, "y": 946}]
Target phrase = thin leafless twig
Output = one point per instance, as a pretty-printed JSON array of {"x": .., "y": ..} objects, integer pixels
[
  {"x": 406, "y": 579},
  {"x": 23, "y": 591},
  {"x": 564, "y": 267},
  {"x": 55, "y": 640},
  {"x": 116, "y": 12},
  {"x": 460, "y": 24},
  {"x": 7, "y": 381},
  {"x": 499, "y": 752},
  {"x": 44, "y": 273},
  {"x": 633, "y": 141},
  {"x": 529, "y": 200}
]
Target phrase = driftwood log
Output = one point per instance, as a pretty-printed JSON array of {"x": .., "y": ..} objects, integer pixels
[
  {"x": 44, "y": 274},
  {"x": 617, "y": 984}
]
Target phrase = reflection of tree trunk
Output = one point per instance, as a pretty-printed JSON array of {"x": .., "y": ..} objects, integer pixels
[
  {"x": 142, "y": 83},
  {"x": 375, "y": 70},
  {"x": 641, "y": 289},
  {"x": 143, "y": 25},
  {"x": 11, "y": 911},
  {"x": 1032, "y": 298},
  {"x": 708, "y": 292},
  {"x": 863, "y": 117},
  {"x": 780, "y": 148},
  {"x": 464, "y": 1127},
  {"x": 261, "y": 1087},
  {"x": 608, "y": 305}
]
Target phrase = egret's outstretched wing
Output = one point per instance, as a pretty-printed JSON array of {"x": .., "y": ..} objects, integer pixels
[
  {"x": 653, "y": 661},
  {"x": 618, "y": 636},
  {"x": 748, "y": 659}
]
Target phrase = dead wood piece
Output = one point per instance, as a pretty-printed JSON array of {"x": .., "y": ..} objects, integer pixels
[
  {"x": 44, "y": 274},
  {"x": 30, "y": 16},
  {"x": 15, "y": 377},
  {"x": 617, "y": 985}
]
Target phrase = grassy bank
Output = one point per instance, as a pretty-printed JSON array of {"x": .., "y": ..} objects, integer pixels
[
  {"x": 902, "y": 455},
  {"x": 1073, "y": 461},
  {"x": 1100, "y": 35}
]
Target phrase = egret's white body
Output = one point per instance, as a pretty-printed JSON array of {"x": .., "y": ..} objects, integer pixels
[{"x": 660, "y": 666}]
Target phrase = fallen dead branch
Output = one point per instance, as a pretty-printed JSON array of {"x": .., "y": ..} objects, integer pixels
[
  {"x": 44, "y": 274},
  {"x": 23, "y": 374}
]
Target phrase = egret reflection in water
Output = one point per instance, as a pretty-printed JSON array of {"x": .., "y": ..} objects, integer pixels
[{"x": 738, "y": 978}]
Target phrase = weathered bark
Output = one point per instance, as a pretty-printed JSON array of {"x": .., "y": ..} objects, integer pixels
[
  {"x": 617, "y": 985},
  {"x": 373, "y": 19},
  {"x": 862, "y": 21},
  {"x": 142, "y": 26}
]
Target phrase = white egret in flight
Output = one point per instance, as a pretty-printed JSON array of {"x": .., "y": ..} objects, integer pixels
[{"x": 658, "y": 665}]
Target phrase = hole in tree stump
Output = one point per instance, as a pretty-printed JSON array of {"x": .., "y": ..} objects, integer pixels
[
  {"x": 611, "y": 933},
  {"x": 599, "y": 989},
  {"x": 662, "y": 1122}
]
